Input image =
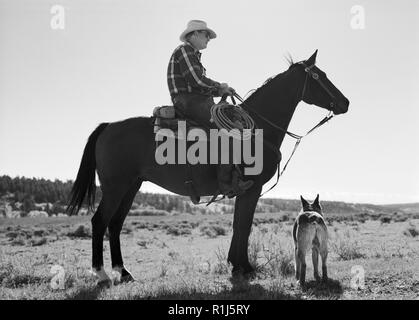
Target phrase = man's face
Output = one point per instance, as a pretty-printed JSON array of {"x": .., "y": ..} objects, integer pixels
[{"x": 200, "y": 39}]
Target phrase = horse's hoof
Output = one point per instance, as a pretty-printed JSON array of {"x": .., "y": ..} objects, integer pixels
[
  {"x": 249, "y": 276},
  {"x": 243, "y": 273},
  {"x": 104, "y": 284},
  {"x": 236, "y": 273},
  {"x": 121, "y": 275},
  {"x": 127, "y": 278}
]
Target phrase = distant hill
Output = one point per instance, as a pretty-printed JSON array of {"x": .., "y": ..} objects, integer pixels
[
  {"x": 404, "y": 207},
  {"x": 20, "y": 196}
]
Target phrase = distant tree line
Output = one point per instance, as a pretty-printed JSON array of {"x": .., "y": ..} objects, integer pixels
[
  {"x": 39, "y": 190},
  {"x": 30, "y": 191}
]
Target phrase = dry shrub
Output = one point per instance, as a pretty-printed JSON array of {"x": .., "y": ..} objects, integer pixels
[
  {"x": 38, "y": 241},
  {"x": 40, "y": 233},
  {"x": 81, "y": 231},
  {"x": 346, "y": 247},
  {"x": 411, "y": 231},
  {"x": 221, "y": 266},
  {"x": 271, "y": 254},
  {"x": 213, "y": 230},
  {"x": 148, "y": 212},
  {"x": 385, "y": 219},
  {"x": 178, "y": 230},
  {"x": 19, "y": 241}
]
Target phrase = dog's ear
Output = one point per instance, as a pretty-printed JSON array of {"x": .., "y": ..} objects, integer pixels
[
  {"x": 316, "y": 204},
  {"x": 306, "y": 205}
]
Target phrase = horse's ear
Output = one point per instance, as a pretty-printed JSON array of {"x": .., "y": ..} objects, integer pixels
[
  {"x": 312, "y": 59},
  {"x": 305, "y": 204}
]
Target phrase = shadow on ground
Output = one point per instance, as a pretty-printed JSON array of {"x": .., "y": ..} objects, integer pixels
[
  {"x": 240, "y": 289},
  {"x": 88, "y": 293},
  {"x": 331, "y": 289}
]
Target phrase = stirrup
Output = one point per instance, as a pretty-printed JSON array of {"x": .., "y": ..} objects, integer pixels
[
  {"x": 192, "y": 192},
  {"x": 215, "y": 196},
  {"x": 238, "y": 188}
]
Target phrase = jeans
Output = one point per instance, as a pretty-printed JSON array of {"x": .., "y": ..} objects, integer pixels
[{"x": 195, "y": 106}]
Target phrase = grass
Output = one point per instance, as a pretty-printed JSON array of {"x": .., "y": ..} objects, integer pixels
[
  {"x": 346, "y": 246},
  {"x": 271, "y": 252},
  {"x": 170, "y": 263},
  {"x": 221, "y": 267}
]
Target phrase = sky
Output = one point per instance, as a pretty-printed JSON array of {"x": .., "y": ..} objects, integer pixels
[{"x": 109, "y": 63}]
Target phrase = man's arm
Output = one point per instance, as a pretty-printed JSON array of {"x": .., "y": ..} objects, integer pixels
[{"x": 191, "y": 70}]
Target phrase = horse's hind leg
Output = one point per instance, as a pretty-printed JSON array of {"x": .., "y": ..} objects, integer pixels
[
  {"x": 115, "y": 227},
  {"x": 109, "y": 204}
]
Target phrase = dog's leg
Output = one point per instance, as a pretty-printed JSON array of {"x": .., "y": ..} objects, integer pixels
[
  {"x": 297, "y": 264},
  {"x": 323, "y": 254},
  {"x": 315, "y": 257},
  {"x": 324, "y": 267},
  {"x": 302, "y": 260}
]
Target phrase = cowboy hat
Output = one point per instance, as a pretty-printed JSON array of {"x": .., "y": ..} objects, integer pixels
[{"x": 197, "y": 25}]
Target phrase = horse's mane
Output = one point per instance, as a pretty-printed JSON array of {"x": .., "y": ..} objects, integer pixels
[{"x": 268, "y": 82}]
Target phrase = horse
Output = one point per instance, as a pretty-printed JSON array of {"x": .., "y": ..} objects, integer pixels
[{"x": 123, "y": 155}]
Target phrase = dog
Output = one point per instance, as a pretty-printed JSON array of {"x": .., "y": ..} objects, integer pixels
[{"x": 310, "y": 231}]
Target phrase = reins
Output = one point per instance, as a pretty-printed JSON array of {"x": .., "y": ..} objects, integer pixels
[{"x": 297, "y": 137}]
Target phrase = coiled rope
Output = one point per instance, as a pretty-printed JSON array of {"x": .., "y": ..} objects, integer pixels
[{"x": 230, "y": 117}]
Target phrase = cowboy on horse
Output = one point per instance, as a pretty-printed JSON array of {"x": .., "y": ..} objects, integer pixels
[
  {"x": 122, "y": 153},
  {"x": 193, "y": 93}
]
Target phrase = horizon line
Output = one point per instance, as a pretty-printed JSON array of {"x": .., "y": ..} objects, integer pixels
[{"x": 164, "y": 191}]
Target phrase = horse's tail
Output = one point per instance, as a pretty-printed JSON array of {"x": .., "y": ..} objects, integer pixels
[{"x": 85, "y": 181}]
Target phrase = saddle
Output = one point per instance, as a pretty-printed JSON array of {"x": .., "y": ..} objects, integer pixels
[{"x": 167, "y": 117}]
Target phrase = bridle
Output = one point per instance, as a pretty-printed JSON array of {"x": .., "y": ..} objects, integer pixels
[
  {"x": 316, "y": 77},
  {"x": 309, "y": 73}
]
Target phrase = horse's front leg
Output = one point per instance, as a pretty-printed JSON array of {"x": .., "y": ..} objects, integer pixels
[{"x": 243, "y": 217}]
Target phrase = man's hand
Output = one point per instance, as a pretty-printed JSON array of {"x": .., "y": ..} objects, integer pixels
[{"x": 225, "y": 89}]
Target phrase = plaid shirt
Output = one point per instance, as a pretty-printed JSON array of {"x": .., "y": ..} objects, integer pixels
[{"x": 186, "y": 74}]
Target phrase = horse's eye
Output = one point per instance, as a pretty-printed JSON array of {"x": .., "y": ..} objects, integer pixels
[{"x": 315, "y": 76}]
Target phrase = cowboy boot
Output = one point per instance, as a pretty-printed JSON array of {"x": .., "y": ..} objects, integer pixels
[
  {"x": 239, "y": 185},
  {"x": 224, "y": 178},
  {"x": 230, "y": 182}
]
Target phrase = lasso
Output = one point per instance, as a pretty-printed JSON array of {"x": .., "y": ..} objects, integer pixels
[{"x": 229, "y": 117}]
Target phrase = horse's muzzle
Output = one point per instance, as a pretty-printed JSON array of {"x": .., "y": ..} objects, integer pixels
[{"x": 341, "y": 106}]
